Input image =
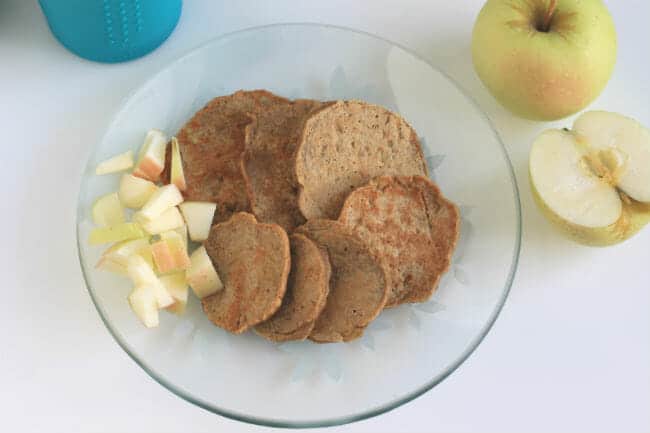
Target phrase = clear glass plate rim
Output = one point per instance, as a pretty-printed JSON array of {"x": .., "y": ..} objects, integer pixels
[{"x": 269, "y": 422}]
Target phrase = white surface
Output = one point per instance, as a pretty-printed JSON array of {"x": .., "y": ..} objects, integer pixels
[{"x": 570, "y": 352}]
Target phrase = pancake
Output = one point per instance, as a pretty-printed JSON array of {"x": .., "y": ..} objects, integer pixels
[
  {"x": 345, "y": 145},
  {"x": 267, "y": 164},
  {"x": 410, "y": 226},
  {"x": 358, "y": 286},
  {"x": 211, "y": 145},
  {"x": 307, "y": 290},
  {"x": 253, "y": 261}
]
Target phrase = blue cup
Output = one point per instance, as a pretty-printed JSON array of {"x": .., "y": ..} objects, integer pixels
[{"x": 111, "y": 31}]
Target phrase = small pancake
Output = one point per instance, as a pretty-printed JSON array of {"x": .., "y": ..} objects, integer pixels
[
  {"x": 410, "y": 226},
  {"x": 211, "y": 145},
  {"x": 358, "y": 286},
  {"x": 345, "y": 145},
  {"x": 267, "y": 163},
  {"x": 253, "y": 261},
  {"x": 307, "y": 290}
]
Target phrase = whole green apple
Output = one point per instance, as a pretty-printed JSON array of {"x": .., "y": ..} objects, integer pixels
[{"x": 544, "y": 59}]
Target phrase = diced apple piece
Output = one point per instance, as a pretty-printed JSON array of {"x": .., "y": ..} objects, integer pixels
[
  {"x": 177, "y": 176},
  {"x": 198, "y": 216},
  {"x": 178, "y": 248},
  {"x": 134, "y": 191},
  {"x": 144, "y": 305},
  {"x": 151, "y": 159},
  {"x": 108, "y": 211},
  {"x": 171, "y": 219},
  {"x": 163, "y": 257},
  {"x": 166, "y": 197},
  {"x": 182, "y": 232},
  {"x": 170, "y": 253},
  {"x": 143, "y": 276},
  {"x": 201, "y": 275},
  {"x": 116, "y": 233},
  {"x": 116, "y": 258},
  {"x": 176, "y": 285},
  {"x": 120, "y": 162}
]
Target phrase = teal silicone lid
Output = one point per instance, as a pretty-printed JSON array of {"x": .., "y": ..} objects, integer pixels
[{"x": 111, "y": 30}]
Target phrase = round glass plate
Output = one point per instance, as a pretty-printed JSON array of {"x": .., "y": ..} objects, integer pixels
[{"x": 407, "y": 350}]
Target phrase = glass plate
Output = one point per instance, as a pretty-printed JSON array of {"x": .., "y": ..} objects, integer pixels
[{"x": 408, "y": 349}]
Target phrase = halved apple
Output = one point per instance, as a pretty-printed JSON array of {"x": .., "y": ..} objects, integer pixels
[
  {"x": 151, "y": 159},
  {"x": 120, "y": 162},
  {"x": 198, "y": 216},
  {"x": 144, "y": 305},
  {"x": 177, "y": 176},
  {"x": 170, "y": 219},
  {"x": 108, "y": 211},
  {"x": 161, "y": 200},
  {"x": 116, "y": 233},
  {"x": 144, "y": 277},
  {"x": 594, "y": 182},
  {"x": 116, "y": 258},
  {"x": 176, "y": 285},
  {"x": 134, "y": 191},
  {"x": 201, "y": 275},
  {"x": 170, "y": 253}
]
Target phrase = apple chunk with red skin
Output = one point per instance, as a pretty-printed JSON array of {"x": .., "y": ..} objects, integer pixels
[
  {"x": 201, "y": 275},
  {"x": 151, "y": 159}
]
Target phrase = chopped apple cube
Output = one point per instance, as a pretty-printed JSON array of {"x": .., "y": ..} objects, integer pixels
[
  {"x": 120, "y": 162},
  {"x": 116, "y": 258},
  {"x": 143, "y": 276},
  {"x": 170, "y": 253},
  {"x": 182, "y": 232},
  {"x": 134, "y": 191},
  {"x": 198, "y": 216},
  {"x": 144, "y": 305},
  {"x": 151, "y": 159},
  {"x": 116, "y": 233},
  {"x": 108, "y": 211},
  {"x": 201, "y": 275},
  {"x": 166, "y": 197},
  {"x": 176, "y": 285},
  {"x": 177, "y": 176},
  {"x": 171, "y": 219}
]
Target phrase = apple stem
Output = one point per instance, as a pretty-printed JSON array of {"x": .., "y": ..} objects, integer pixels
[{"x": 549, "y": 15}]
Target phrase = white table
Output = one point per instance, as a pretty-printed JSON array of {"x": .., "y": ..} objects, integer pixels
[{"x": 570, "y": 351}]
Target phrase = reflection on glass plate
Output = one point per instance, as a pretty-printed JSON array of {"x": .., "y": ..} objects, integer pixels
[{"x": 408, "y": 349}]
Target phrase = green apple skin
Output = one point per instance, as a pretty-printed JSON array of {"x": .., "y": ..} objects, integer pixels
[{"x": 544, "y": 75}]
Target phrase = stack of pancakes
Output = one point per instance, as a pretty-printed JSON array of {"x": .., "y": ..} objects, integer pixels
[{"x": 325, "y": 214}]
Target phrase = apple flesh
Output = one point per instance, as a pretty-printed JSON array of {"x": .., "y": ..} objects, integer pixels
[
  {"x": 170, "y": 253},
  {"x": 116, "y": 233},
  {"x": 151, "y": 159},
  {"x": 177, "y": 175},
  {"x": 120, "y": 162},
  {"x": 544, "y": 60},
  {"x": 198, "y": 215},
  {"x": 134, "y": 191},
  {"x": 161, "y": 200},
  {"x": 177, "y": 287},
  {"x": 170, "y": 219},
  {"x": 593, "y": 182},
  {"x": 107, "y": 211},
  {"x": 144, "y": 305},
  {"x": 115, "y": 259},
  {"x": 201, "y": 275},
  {"x": 144, "y": 277}
]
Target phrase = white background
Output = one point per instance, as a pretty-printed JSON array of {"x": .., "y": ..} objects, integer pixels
[{"x": 570, "y": 351}]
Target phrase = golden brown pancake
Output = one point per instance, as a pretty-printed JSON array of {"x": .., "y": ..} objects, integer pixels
[
  {"x": 410, "y": 226},
  {"x": 253, "y": 261},
  {"x": 307, "y": 290},
  {"x": 345, "y": 145}
]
